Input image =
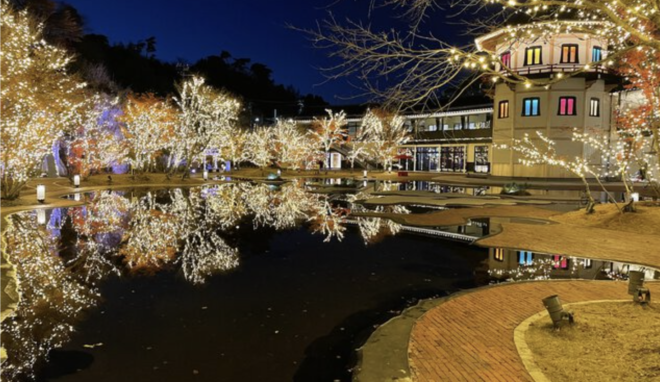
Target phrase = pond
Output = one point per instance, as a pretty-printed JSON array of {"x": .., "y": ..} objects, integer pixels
[{"x": 236, "y": 282}]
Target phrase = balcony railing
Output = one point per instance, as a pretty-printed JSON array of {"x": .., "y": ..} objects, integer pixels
[{"x": 555, "y": 68}]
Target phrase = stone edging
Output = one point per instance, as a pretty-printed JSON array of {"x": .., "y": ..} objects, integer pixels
[{"x": 525, "y": 352}]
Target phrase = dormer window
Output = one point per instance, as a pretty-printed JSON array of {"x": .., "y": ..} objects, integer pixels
[
  {"x": 569, "y": 54},
  {"x": 533, "y": 56},
  {"x": 596, "y": 54},
  {"x": 506, "y": 59}
]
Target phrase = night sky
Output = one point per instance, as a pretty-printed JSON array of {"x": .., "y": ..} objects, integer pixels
[{"x": 254, "y": 29}]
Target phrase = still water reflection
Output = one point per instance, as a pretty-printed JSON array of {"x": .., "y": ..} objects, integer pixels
[{"x": 124, "y": 288}]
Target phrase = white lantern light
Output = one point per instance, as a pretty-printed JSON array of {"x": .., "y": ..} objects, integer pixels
[
  {"x": 41, "y": 216},
  {"x": 635, "y": 196},
  {"x": 76, "y": 196},
  {"x": 279, "y": 172},
  {"x": 364, "y": 173},
  {"x": 206, "y": 175},
  {"x": 76, "y": 181},
  {"x": 41, "y": 193},
  {"x": 193, "y": 170}
]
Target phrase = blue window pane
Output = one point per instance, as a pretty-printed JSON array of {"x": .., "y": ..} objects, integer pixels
[
  {"x": 535, "y": 107},
  {"x": 528, "y": 106},
  {"x": 596, "y": 54}
]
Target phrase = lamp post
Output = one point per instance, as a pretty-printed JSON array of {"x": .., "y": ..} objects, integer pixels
[
  {"x": 76, "y": 181},
  {"x": 41, "y": 193}
]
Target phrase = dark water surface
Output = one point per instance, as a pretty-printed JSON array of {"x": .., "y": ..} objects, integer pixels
[{"x": 295, "y": 309}]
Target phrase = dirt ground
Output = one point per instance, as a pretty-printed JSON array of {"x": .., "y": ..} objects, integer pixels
[
  {"x": 646, "y": 220},
  {"x": 612, "y": 341}
]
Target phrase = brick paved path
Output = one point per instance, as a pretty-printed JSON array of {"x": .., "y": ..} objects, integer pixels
[{"x": 470, "y": 337}]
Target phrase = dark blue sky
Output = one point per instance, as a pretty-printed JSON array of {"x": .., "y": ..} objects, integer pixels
[{"x": 252, "y": 29}]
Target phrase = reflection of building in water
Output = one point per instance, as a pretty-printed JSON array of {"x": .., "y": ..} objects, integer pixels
[{"x": 505, "y": 264}]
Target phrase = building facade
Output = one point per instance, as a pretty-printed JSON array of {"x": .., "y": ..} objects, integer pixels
[{"x": 581, "y": 102}]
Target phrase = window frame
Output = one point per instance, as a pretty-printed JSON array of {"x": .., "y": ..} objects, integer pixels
[
  {"x": 501, "y": 115},
  {"x": 563, "y": 58},
  {"x": 591, "y": 108},
  {"x": 567, "y": 98},
  {"x": 538, "y": 107},
  {"x": 533, "y": 48}
]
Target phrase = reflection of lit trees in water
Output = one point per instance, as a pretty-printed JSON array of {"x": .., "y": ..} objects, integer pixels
[
  {"x": 152, "y": 237},
  {"x": 204, "y": 254},
  {"x": 375, "y": 229},
  {"x": 106, "y": 212},
  {"x": 328, "y": 220},
  {"x": 51, "y": 299},
  {"x": 176, "y": 227},
  {"x": 227, "y": 203}
]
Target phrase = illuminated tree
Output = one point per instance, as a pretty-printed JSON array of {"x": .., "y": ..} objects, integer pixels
[
  {"x": 356, "y": 149},
  {"x": 638, "y": 123},
  {"x": 39, "y": 98},
  {"x": 329, "y": 131},
  {"x": 149, "y": 127},
  {"x": 204, "y": 113},
  {"x": 382, "y": 133},
  {"x": 259, "y": 147},
  {"x": 94, "y": 145},
  {"x": 291, "y": 146},
  {"x": 233, "y": 147}
]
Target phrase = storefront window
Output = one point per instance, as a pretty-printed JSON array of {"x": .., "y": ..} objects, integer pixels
[
  {"x": 452, "y": 158},
  {"x": 481, "y": 159},
  {"x": 427, "y": 159}
]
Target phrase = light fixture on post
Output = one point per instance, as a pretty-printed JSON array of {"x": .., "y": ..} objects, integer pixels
[
  {"x": 206, "y": 175},
  {"x": 41, "y": 193},
  {"x": 76, "y": 181},
  {"x": 76, "y": 196},
  {"x": 364, "y": 174},
  {"x": 41, "y": 216},
  {"x": 279, "y": 172},
  {"x": 635, "y": 197},
  {"x": 556, "y": 311}
]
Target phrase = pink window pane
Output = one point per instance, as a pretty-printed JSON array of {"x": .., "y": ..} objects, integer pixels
[
  {"x": 562, "y": 106},
  {"x": 571, "y": 106}
]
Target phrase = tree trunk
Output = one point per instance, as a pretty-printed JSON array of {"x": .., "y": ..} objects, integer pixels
[{"x": 11, "y": 189}]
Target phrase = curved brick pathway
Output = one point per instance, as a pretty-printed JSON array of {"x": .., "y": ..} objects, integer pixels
[{"x": 470, "y": 336}]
